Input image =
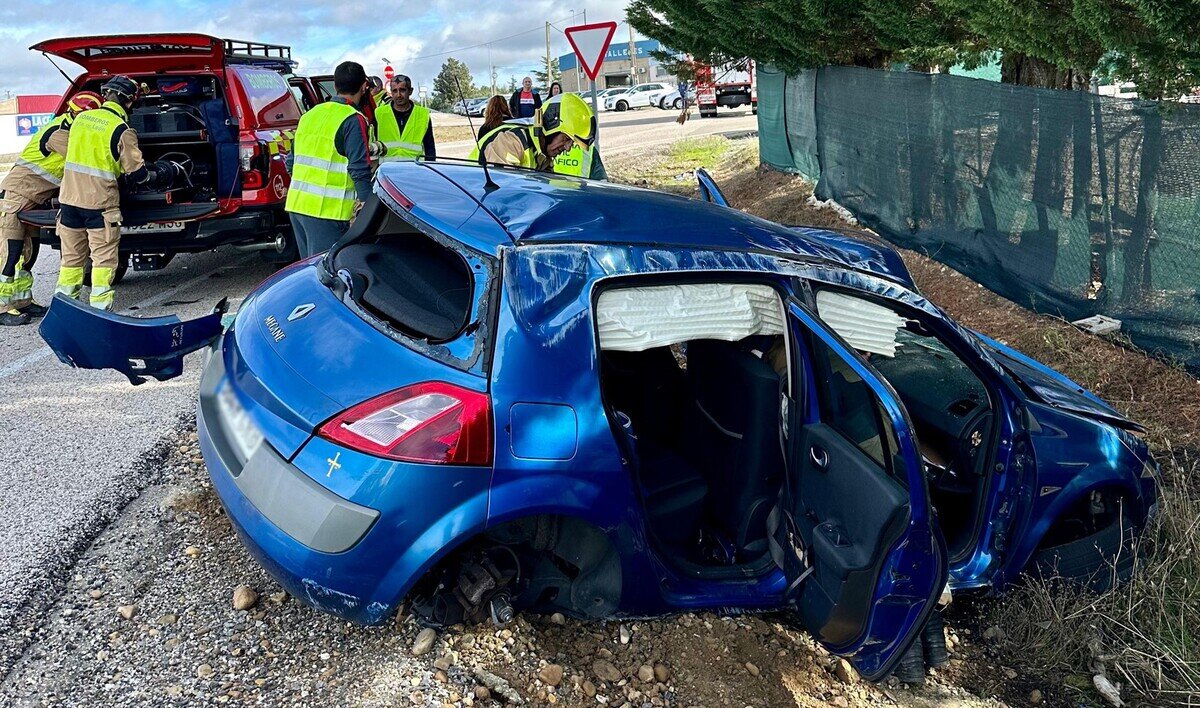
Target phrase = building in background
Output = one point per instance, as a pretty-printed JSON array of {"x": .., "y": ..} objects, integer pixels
[
  {"x": 20, "y": 118},
  {"x": 619, "y": 68}
]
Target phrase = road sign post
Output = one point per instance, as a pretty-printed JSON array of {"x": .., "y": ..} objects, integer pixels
[{"x": 590, "y": 43}]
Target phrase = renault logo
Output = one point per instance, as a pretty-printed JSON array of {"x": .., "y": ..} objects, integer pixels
[{"x": 301, "y": 311}]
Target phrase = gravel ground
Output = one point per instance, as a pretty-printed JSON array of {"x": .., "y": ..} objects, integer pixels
[
  {"x": 148, "y": 618},
  {"x": 75, "y": 444}
]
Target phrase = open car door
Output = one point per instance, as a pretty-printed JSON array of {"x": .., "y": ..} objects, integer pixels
[
  {"x": 854, "y": 531},
  {"x": 709, "y": 191},
  {"x": 323, "y": 85},
  {"x": 139, "y": 53}
]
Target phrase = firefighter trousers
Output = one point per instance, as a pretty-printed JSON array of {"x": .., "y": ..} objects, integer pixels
[
  {"x": 85, "y": 233},
  {"x": 18, "y": 249}
]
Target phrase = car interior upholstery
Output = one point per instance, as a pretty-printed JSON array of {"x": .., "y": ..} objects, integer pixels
[
  {"x": 414, "y": 283},
  {"x": 705, "y": 440},
  {"x": 950, "y": 409},
  {"x": 699, "y": 421}
]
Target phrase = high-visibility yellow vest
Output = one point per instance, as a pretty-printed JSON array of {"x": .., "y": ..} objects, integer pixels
[
  {"x": 49, "y": 164},
  {"x": 321, "y": 185},
  {"x": 89, "y": 151},
  {"x": 524, "y": 132},
  {"x": 576, "y": 162},
  {"x": 407, "y": 145}
]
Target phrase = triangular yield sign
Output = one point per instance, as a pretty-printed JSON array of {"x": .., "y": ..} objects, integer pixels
[{"x": 590, "y": 43}]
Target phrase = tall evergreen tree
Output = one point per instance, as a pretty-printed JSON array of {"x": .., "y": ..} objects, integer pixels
[
  {"x": 446, "y": 85},
  {"x": 543, "y": 77}
]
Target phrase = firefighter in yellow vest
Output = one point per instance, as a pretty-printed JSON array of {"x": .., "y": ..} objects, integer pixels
[
  {"x": 101, "y": 151},
  {"x": 579, "y": 162},
  {"x": 330, "y": 164},
  {"x": 564, "y": 122},
  {"x": 31, "y": 183},
  {"x": 404, "y": 127}
]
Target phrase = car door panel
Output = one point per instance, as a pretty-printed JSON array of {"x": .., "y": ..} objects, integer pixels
[
  {"x": 849, "y": 515},
  {"x": 855, "y": 506}
]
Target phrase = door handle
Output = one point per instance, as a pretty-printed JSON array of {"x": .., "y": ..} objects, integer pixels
[{"x": 819, "y": 457}]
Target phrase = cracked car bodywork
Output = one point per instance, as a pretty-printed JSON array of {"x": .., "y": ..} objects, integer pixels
[{"x": 561, "y": 479}]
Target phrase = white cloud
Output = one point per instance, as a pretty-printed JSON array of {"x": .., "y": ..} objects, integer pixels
[{"x": 416, "y": 36}]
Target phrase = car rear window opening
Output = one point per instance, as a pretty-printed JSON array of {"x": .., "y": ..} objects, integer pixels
[{"x": 417, "y": 285}]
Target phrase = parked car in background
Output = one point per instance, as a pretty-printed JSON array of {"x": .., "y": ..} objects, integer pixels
[
  {"x": 485, "y": 399},
  {"x": 226, "y": 110},
  {"x": 638, "y": 96},
  {"x": 673, "y": 100},
  {"x": 476, "y": 106}
]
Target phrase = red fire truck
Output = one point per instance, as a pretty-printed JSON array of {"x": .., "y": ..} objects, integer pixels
[{"x": 730, "y": 85}]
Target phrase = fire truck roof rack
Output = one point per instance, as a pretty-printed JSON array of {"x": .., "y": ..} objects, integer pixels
[{"x": 240, "y": 51}]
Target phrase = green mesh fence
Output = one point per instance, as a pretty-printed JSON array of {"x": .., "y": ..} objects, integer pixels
[{"x": 1064, "y": 201}]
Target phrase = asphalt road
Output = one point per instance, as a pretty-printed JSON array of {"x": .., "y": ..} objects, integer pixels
[
  {"x": 77, "y": 446},
  {"x": 645, "y": 127}
]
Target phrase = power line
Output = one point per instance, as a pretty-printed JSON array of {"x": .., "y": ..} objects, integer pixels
[{"x": 463, "y": 49}]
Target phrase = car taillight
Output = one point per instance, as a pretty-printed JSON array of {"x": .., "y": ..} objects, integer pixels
[
  {"x": 433, "y": 422},
  {"x": 250, "y": 152},
  {"x": 394, "y": 192}
]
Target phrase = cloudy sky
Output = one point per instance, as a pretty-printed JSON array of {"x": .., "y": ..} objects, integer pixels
[{"x": 416, "y": 36}]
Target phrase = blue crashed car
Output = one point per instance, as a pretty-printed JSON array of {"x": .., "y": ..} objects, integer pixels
[{"x": 531, "y": 391}]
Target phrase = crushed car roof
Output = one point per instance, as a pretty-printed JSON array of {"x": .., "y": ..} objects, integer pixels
[{"x": 538, "y": 208}]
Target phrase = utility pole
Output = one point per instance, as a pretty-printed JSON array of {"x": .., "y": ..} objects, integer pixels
[
  {"x": 633, "y": 79},
  {"x": 549, "y": 78},
  {"x": 493, "y": 68}
]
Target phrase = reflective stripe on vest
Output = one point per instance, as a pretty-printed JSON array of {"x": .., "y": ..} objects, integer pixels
[
  {"x": 528, "y": 158},
  {"x": 575, "y": 162},
  {"x": 409, "y": 143},
  {"x": 321, "y": 185},
  {"x": 90, "y": 149},
  {"x": 48, "y": 167}
]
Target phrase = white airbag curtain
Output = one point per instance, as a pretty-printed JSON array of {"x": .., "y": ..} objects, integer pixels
[
  {"x": 864, "y": 325},
  {"x": 636, "y": 319}
]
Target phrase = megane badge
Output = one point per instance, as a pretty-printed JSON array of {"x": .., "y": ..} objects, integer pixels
[{"x": 301, "y": 311}]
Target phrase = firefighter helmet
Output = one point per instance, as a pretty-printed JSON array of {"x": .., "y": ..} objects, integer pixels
[
  {"x": 123, "y": 86},
  {"x": 569, "y": 114},
  {"x": 83, "y": 101}
]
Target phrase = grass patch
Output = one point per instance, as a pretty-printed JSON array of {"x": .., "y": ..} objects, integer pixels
[
  {"x": 453, "y": 133},
  {"x": 673, "y": 169},
  {"x": 693, "y": 153},
  {"x": 1144, "y": 635}
]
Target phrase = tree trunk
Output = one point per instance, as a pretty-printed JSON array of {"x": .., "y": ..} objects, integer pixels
[
  {"x": 1137, "y": 280},
  {"x": 919, "y": 115},
  {"x": 1012, "y": 153},
  {"x": 1023, "y": 70},
  {"x": 947, "y": 157}
]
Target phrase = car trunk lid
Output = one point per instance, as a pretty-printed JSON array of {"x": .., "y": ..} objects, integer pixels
[{"x": 139, "y": 53}]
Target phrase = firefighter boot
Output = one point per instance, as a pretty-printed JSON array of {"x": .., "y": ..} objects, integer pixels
[{"x": 8, "y": 316}]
